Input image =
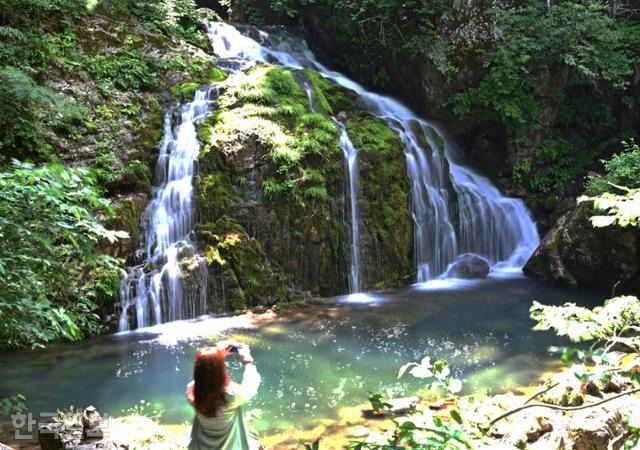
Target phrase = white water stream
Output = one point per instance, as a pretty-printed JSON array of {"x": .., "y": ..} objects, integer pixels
[
  {"x": 455, "y": 210},
  {"x": 154, "y": 291}
]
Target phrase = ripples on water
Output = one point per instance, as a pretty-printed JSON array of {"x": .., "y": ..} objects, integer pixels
[{"x": 312, "y": 363}]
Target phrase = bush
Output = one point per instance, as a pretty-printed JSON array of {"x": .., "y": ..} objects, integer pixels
[
  {"x": 52, "y": 278},
  {"x": 127, "y": 71},
  {"x": 179, "y": 18},
  {"x": 28, "y": 113},
  {"x": 623, "y": 169}
]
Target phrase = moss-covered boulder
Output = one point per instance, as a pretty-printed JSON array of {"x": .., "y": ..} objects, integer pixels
[
  {"x": 575, "y": 253},
  {"x": 387, "y": 228},
  {"x": 271, "y": 165}
]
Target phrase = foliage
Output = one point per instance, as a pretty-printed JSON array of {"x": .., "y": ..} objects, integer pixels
[
  {"x": 438, "y": 375},
  {"x": 377, "y": 404},
  {"x": 315, "y": 445},
  {"x": 633, "y": 425},
  {"x": 531, "y": 44},
  {"x": 44, "y": 40},
  {"x": 126, "y": 70},
  {"x": 27, "y": 114},
  {"x": 623, "y": 169},
  {"x": 621, "y": 210},
  {"x": 424, "y": 431},
  {"x": 52, "y": 277},
  {"x": 612, "y": 322},
  {"x": 13, "y": 404},
  {"x": 179, "y": 18}
]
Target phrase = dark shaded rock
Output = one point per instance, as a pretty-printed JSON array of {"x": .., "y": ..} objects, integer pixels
[
  {"x": 575, "y": 253},
  {"x": 468, "y": 266},
  {"x": 260, "y": 309},
  {"x": 91, "y": 418},
  {"x": 592, "y": 389},
  {"x": 596, "y": 429},
  {"x": 129, "y": 211},
  {"x": 56, "y": 436},
  {"x": 543, "y": 425}
]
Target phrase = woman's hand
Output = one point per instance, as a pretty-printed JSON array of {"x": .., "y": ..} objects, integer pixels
[
  {"x": 244, "y": 353},
  {"x": 189, "y": 393}
]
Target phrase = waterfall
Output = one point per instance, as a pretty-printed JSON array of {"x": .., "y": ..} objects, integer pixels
[
  {"x": 455, "y": 211},
  {"x": 155, "y": 289},
  {"x": 351, "y": 164},
  {"x": 351, "y": 160}
]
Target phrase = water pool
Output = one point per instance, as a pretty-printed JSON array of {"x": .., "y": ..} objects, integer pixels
[{"x": 312, "y": 363}]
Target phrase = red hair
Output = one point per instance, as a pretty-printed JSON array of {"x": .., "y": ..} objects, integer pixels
[{"x": 210, "y": 381}]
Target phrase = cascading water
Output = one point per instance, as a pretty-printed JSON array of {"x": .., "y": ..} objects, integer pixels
[
  {"x": 455, "y": 211},
  {"x": 155, "y": 288},
  {"x": 351, "y": 159},
  {"x": 351, "y": 164}
]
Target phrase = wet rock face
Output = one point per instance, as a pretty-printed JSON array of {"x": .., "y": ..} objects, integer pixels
[
  {"x": 575, "y": 253},
  {"x": 468, "y": 266},
  {"x": 271, "y": 192}
]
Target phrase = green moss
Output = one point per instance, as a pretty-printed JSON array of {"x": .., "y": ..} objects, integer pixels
[
  {"x": 151, "y": 131},
  {"x": 186, "y": 90},
  {"x": 269, "y": 104},
  {"x": 127, "y": 216},
  {"x": 438, "y": 139},
  {"x": 568, "y": 278},
  {"x": 553, "y": 247},
  {"x": 329, "y": 97},
  {"x": 382, "y": 172},
  {"x": 136, "y": 175},
  {"x": 215, "y": 74},
  {"x": 249, "y": 278}
]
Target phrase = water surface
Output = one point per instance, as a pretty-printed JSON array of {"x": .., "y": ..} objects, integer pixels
[{"x": 311, "y": 363}]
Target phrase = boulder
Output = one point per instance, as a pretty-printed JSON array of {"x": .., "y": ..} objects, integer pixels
[
  {"x": 575, "y": 253},
  {"x": 468, "y": 266},
  {"x": 75, "y": 431}
]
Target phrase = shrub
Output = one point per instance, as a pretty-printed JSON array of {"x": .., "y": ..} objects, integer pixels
[
  {"x": 51, "y": 275},
  {"x": 623, "y": 169},
  {"x": 28, "y": 113}
]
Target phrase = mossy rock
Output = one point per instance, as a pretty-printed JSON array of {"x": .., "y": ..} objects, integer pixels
[
  {"x": 271, "y": 167},
  {"x": 215, "y": 74},
  {"x": 249, "y": 278},
  {"x": 185, "y": 91},
  {"x": 384, "y": 201}
]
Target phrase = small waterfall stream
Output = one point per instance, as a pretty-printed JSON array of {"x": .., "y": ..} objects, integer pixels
[
  {"x": 455, "y": 211},
  {"x": 351, "y": 160},
  {"x": 155, "y": 289},
  {"x": 351, "y": 165}
]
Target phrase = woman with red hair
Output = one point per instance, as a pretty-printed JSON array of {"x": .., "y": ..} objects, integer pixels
[{"x": 219, "y": 423}]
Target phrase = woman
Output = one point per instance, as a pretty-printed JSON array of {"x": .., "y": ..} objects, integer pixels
[{"x": 219, "y": 423}]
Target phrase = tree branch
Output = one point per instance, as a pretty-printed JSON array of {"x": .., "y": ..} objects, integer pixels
[
  {"x": 560, "y": 408},
  {"x": 540, "y": 392}
]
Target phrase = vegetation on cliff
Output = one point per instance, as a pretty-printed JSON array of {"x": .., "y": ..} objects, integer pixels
[
  {"x": 53, "y": 280},
  {"x": 272, "y": 168},
  {"x": 537, "y": 91},
  {"x": 80, "y": 85}
]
